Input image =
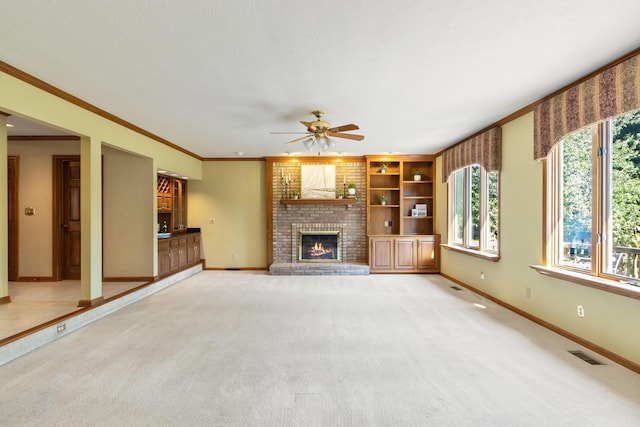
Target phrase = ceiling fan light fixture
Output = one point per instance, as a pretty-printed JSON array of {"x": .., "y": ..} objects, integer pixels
[{"x": 309, "y": 143}]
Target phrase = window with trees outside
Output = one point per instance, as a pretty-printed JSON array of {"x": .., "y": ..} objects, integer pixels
[
  {"x": 473, "y": 209},
  {"x": 593, "y": 195}
]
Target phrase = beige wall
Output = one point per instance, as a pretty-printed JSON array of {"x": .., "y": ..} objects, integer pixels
[
  {"x": 232, "y": 193},
  {"x": 609, "y": 319},
  {"x": 128, "y": 229},
  {"x": 35, "y": 189}
]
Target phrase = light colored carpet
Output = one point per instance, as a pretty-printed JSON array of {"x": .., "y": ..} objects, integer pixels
[{"x": 249, "y": 349}]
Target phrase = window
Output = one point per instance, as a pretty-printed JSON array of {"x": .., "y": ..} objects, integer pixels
[
  {"x": 473, "y": 209},
  {"x": 593, "y": 191}
]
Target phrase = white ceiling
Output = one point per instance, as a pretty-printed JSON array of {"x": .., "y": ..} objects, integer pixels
[{"x": 216, "y": 77}]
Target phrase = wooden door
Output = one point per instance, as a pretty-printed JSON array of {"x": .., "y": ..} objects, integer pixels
[
  {"x": 71, "y": 219},
  {"x": 12, "y": 181}
]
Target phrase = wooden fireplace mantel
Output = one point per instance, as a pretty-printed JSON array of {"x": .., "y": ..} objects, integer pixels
[{"x": 348, "y": 202}]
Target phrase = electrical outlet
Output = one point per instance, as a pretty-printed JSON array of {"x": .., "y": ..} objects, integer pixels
[
  {"x": 482, "y": 275},
  {"x": 61, "y": 328},
  {"x": 528, "y": 292},
  {"x": 580, "y": 311}
]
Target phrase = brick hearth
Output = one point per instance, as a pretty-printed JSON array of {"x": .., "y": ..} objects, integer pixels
[{"x": 318, "y": 269}]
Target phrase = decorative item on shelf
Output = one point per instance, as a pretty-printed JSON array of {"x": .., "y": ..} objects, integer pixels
[
  {"x": 383, "y": 168},
  {"x": 351, "y": 189},
  {"x": 340, "y": 194},
  {"x": 296, "y": 194},
  {"x": 164, "y": 227},
  {"x": 383, "y": 200},
  {"x": 417, "y": 175}
]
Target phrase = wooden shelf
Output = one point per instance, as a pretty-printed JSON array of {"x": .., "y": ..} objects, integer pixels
[
  {"x": 348, "y": 202},
  {"x": 345, "y": 201}
]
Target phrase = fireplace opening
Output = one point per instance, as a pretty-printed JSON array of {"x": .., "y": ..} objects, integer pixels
[{"x": 319, "y": 246}]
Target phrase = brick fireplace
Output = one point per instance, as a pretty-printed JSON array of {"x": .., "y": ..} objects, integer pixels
[{"x": 290, "y": 221}]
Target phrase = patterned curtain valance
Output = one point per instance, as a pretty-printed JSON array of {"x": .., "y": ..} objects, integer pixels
[
  {"x": 613, "y": 92},
  {"x": 484, "y": 149}
]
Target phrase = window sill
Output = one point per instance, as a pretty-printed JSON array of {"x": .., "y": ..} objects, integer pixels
[
  {"x": 488, "y": 256},
  {"x": 607, "y": 285}
]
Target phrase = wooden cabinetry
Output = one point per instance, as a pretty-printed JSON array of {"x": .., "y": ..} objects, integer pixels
[
  {"x": 172, "y": 203},
  {"x": 165, "y": 193},
  {"x": 404, "y": 254},
  {"x": 164, "y": 257},
  {"x": 193, "y": 248},
  {"x": 381, "y": 254},
  {"x": 401, "y": 229},
  {"x": 178, "y": 252},
  {"x": 179, "y": 204}
]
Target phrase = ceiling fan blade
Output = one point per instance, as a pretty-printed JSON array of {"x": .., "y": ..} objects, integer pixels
[
  {"x": 347, "y": 136},
  {"x": 307, "y": 124},
  {"x": 297, "y": 139},
  {"x": 289, "y": 133},
  {"x": 344, "y": 128}
]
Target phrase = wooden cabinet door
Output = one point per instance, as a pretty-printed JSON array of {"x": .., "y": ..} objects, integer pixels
[
  {"x": 381, "y": 254},
  {"x": 165, "y": 197},
  {"x": 179, "y": 204},
  {"x": 429, "y": 253},
  {"x": 193, "y": 249},
  {"x": 405, "y": 258},
  {"x": 182, "y": 254},
  {"x": 164, "y": 259},
  {"x": 174, "y": 255}
]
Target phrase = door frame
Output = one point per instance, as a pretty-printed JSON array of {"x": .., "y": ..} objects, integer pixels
[{"x": 58, "y": 211}]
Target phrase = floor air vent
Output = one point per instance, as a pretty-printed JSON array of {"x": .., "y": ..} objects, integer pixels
[
  {"x": 457, "y": 288},
  {"x": 590, "y": 360}
]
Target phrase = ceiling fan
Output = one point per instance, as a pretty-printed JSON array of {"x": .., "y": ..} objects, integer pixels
[{"x": 319, "y": 133}]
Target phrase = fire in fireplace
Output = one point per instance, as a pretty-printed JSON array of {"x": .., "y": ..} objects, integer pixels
[{"x": 319, "y": 246}]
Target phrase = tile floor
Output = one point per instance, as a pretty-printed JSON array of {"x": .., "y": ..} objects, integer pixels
[{"x": 33, "y": 304}]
